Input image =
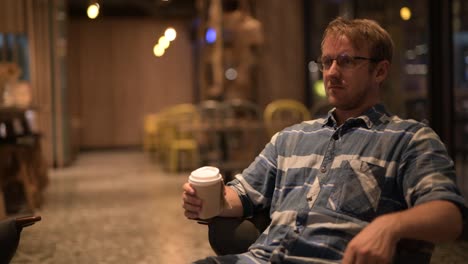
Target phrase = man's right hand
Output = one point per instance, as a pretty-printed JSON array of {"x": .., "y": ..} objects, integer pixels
[{"x": 191, "y": 203}]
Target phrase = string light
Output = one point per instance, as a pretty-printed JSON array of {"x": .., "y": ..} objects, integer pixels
[
  {"x": 170, "y": 33},
  {"x": 158, "y": 50},
  {"x": 164, "y": 42}
]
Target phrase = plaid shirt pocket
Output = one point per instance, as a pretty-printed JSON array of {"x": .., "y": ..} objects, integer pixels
[{"x": 358, "y": 190}]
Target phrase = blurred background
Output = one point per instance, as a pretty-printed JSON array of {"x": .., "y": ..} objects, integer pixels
[{"x": 170, "y": 85}]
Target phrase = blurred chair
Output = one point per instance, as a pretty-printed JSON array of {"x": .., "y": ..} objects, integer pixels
[
  {"x": 23, "y": 172},
  {"x": 235, "y": 235},
  {"x": 164, "y": 134},
  {"x": 283, "y": 113},
  {"x": 150, "y": 131},
  {"x": 244, "y": 135},
  {"x": 180, "y": 125},
  {"x": 228, "y": 235},
  {"x": 212, "y": 111},
  {"x": 243, "y": 110},
  {"x": 10, "y": 232},
  {"x": 213, "y": 114},
  {"x": 18, "y": 183}
]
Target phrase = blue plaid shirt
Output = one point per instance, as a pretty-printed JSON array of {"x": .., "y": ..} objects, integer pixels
[{"x": 324, "y": 183}]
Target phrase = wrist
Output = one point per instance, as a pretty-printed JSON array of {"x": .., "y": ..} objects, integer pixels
[{"x": 393, "y": 226}]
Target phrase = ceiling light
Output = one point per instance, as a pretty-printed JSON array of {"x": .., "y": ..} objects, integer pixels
[
  {"x": 93, "y": 10},
  {"x": 405, "y": 13}
]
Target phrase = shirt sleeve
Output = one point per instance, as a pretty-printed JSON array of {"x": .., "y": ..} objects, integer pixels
[
  {"x": 427, "y": 171},
  {"x": 256, "y": 184}
]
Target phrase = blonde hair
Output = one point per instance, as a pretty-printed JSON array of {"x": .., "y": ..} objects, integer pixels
[{"x": 362, "y": 33}]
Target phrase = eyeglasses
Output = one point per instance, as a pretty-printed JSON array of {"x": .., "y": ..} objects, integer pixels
[{"x": 345, "y": 61}]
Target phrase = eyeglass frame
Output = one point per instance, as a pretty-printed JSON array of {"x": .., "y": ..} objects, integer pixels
[{"x": 322, "y": 67}]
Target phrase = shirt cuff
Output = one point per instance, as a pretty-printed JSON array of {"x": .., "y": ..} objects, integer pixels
[{"x": 247, "y": 205}]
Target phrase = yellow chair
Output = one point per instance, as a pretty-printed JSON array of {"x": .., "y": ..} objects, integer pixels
[
  {"x": 282, "y": 113},
  {"x": 181, "y": 122},
  {"x": 150, "y": 132}
]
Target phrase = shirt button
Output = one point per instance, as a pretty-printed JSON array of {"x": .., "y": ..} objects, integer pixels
[{"x": 323, "y": 169}]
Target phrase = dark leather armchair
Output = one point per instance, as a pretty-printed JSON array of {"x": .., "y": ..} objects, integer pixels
[
  {"x": 10, "y": 231},
  {"x": 235, "y": 235}
]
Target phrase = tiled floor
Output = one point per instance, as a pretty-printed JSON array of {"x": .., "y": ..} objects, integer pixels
[
  {"x": 121, "y": 208},
  {"x": 113, "y": 208}
]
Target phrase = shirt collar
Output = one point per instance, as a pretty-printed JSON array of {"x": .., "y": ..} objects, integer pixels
[{"x": 375, "y": 115}]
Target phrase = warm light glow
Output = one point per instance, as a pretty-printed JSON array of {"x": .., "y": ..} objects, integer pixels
[
  {"x": 230, "y": 74},
  {"x": 163, "y": 42},
  {"x": 405, "y": 13},
  {"x": 170, "y": 34},
  {"x": 93, "y": 11},
  {"x": 158, "y": 50}
]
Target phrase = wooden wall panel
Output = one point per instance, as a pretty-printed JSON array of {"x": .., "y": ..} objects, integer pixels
[
  {"x": 282, "y": 71},
  {"x": 120, "y": 79},
  {"x": 12, "y": 18},
  {"x": 96, "y": 61}
]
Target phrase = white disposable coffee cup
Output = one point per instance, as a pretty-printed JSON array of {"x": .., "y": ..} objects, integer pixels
[{"x": 208, "y": 185}]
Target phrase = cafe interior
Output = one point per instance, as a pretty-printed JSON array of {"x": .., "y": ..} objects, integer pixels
[{"x": 106, "y": 106}]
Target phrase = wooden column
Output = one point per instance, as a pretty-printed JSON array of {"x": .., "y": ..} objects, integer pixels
[
  {"x": 12, "y": 16},
  {"x": 38, "y": 31}
]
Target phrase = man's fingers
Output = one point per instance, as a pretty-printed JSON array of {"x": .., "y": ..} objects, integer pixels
[
  {"x": 188, "y": 189},
  {"x": 191, "y": 215},
  {"x": 188, "y": 198},
  {"x": 348, "y": 257},
  {"x": 355, "y": 256},
  {"x": 191, "y": 210},
  {"x": 191, "y": 207},
  {"x": 190, "y": 202}
]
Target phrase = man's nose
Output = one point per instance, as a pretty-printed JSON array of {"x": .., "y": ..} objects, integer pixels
[{"x": 334, "y": 68}]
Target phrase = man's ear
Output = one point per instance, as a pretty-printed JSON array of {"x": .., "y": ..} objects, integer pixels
[{"x": 381, "y": 70}]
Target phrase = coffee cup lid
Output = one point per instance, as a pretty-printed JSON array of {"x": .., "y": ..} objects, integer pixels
[{"x": 205, "y": 174}]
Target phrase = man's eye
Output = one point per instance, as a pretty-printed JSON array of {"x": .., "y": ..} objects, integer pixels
[
  {"x": 345, "y": 61},
  {"x": 327, "y": 61}
]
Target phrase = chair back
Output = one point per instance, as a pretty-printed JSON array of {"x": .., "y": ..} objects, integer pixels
[
  {"x": 212, "y": 112},
  {"x": 179, "y": 130},
  {"x": 282, "y": 113},
  {"x": 150, "y": 131},
  {"x": 180, "y": 118},
  {"x": 244, "y": 135},
  {"x": 243, "y": 110}
]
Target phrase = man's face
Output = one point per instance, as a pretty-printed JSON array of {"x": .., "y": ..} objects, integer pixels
[{"x": 348, "y": 88}]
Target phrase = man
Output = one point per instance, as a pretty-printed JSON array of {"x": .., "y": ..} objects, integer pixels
[{"x": 349, "y": 187}]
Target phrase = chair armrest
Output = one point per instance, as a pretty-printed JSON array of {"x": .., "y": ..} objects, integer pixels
[
  {"x": 235, "y": 235},
  {"x": 231, "y": 235},
  {"x": 10, "y": 231},
  {"x": 25, "y": 221}
]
